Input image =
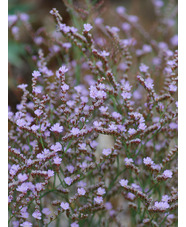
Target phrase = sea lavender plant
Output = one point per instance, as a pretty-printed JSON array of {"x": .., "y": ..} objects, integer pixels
[{"x": 94, "y": 139}]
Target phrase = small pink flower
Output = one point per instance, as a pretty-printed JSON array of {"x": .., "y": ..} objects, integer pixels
[
  {"x": 46, "y": 211},
  {"x": 65, "y": 206},
  {"x": 98, "y": 199},
  {"x": 37, "y": 215},
  {"x": 57, "y": 160},
  {"x": 143, "y": 68},
  {"x": 68, "y": 180},
  {"x": 36, "y": 74},
  {"x": 87, "y": 27},
  {"x": 128, "y": 161},
  {"x": 56, "y": 128},
  {"x": 101, "y": 191},
  {"x": 81, "y": 191},
  {"x": 123, "y": 182},
  {"x": 148, "y": 161},
  {"x": 104, "y": 53},
  {"x": 167, "y": 174},
  {"x": 75, "y": 131},
  {"x": 107, "y": 151}
]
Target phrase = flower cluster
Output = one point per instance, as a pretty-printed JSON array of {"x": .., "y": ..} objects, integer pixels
[{"x": 96, "y": 135}]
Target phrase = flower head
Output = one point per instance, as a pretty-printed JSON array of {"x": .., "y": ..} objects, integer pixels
[
  {"x": 87, "y": 27},
  {"x": 123, "y": 182},
  {"x": 36, "y": 74},
  {"x": 56, "y": 128},
  {"x": 107, "y": 151},
  {"x": 37, "y": 215},
  {"x": 65, "y": 206},
  {"x": 143, "y": 68},
  {"x": 167, "y": 174},
  {"x": 81, "y": 191},
  {"x": 26, "y": 224},
  {"x": 98, "y": 199},
  {"x": 75, "y": 131},
  {"x": 148, "y": 161},
  {"x": 68, "y": 180}
]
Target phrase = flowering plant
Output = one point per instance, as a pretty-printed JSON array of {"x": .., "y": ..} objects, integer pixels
[{"x": 95, "y": 138}]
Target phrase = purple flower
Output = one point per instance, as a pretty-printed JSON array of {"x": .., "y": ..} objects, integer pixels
[
  {"x": 98, "y": 20},
  {"x": 149, "y": 83},
  {"x": 67, "y": 45},
  {"x": 97, "y": 124},
  {"x": 50, "y": 173},
  {"x": 101, "y": 191},
  {"x": 104, "y": 53},
  {"x": 87, "y": 27},
  {"x": 26, "y": 224},
  {"x": 112, "y": 127},
  {"x": 148, "y": 161},
  {"x": 165, "y": 198},
  {"x": 82, "y": 146},
  {"x": 16, "y": 224},
  {"x": 93, "y": 144},
  {"x": 21, "y": 122},
  {"x": 95, "y": 93},
  {"x": 133, "y": 18},
  {"x": 56, "y": 147},
  {"x": 70, "y": 168},
  {"x": 37, "y": 215},
  {"x": 22, "y": 177},
  {"x": 147, "y": 48},
  {"x": 75, "y": 131},
  {"x": 120, "y": 10},
  {"x": 68, "y": 180},
  {"x": 64, "y": 87},
  {"x": 108, "y": 205},
  {"x": 36, "y": 74},
  {"x": 46, "y": 211},
  {"x": 22, "y": 188},
  {"x": 57, "y": 160},
  {"x": 161, "y": 206},
  {"x": 143, "y": 68},
  {"x": 38, "y": 112},
  {"x": 13, "y": 170},
  {"x": 74, "y": 224},
  {"x": 131, "y": 196},
  {"x": 39, "y": 186},
  {"x": 65, "y": 206},
  {"x": 24, "y": 17},
  {"x": 81, "y": 191},
  {"x": 103, "y": 109},
  {"x": 56, "y": 128},
  {"x": 115, "y": 29},
  {"x": 167, "y": 174},
  {"x": 98, "y": 199},
  {"x": 22, "y": 86},
  {"x": 128, "y": 161},
  {"x": 142, "y": 126},
  {"x": 126, "y": 26},
  {"x": 63, "y": 69},
  {"x": 174, "y": 40},
  {"x": 172, "y": 88},
  {"x": 131, "y": 131},
  {"x": 35, "y": 128},
  {"x": 107, "y": 151},
  {"x": 123, "y": 182}
]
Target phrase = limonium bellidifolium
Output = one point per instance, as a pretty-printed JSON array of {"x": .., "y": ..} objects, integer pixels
[{"x": 93, "y": 141}]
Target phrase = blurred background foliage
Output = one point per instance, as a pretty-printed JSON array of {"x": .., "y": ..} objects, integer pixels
[{"x": 20, "y": 52}]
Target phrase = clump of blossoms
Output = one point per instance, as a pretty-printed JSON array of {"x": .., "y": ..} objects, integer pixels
[{"x": 110, "y": 83}]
